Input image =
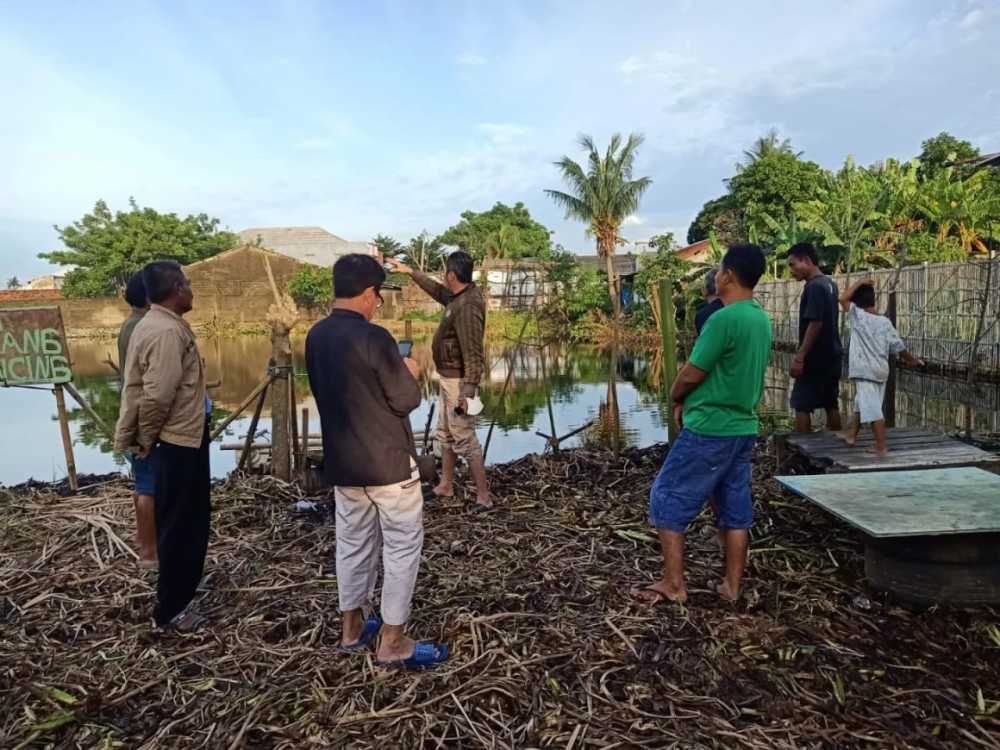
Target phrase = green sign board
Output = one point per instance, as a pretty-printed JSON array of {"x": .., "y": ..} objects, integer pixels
[{"x": 33, "y": 347}]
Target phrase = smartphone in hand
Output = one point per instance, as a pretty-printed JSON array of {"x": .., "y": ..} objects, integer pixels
[{"x": 405, "y": 348}]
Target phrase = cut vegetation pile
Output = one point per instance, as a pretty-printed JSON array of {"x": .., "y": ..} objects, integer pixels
[{"x": 548, "y": 649}]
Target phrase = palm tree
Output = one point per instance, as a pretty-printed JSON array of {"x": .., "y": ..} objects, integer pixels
[
  {"x": 766, "y": 145},
  {"x": 13, "y": 283},
  {"x": 603, "y": 195}
]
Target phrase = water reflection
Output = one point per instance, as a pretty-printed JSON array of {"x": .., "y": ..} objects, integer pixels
[{"x": 556, "y": 391}]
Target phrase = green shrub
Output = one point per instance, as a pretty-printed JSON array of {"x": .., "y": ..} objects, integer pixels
[{"x": 312, "y": 286}]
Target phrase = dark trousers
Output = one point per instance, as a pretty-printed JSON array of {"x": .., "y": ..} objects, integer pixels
[{"x": 183, "y": 509}]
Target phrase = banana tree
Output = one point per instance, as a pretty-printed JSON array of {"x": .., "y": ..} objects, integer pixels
[
  {"x": 845, "y": 213},
  {"x": 963, "y": 209}
]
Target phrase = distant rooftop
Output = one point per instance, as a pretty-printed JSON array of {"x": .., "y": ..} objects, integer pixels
[{"x": 307, "y": 244}]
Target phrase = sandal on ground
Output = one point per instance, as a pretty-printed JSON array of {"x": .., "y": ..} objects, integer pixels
[
  {"x": 426, "y": 655},
  {"x": 372, "y": 625},
  {"x": 188, "y": 621}
]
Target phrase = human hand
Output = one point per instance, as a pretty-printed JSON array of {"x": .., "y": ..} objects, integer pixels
[
  {"x": 144, "y": 452},
  {"x": 679, "y": 414},
  {"x": 798, "y": 367},
  {"x": 413, "y": 366},
  {"x": 399, "y": 266}
]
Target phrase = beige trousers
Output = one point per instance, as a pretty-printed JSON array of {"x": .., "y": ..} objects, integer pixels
[
  {"x": 455, "y": 431},
  {"x": 374, "y": 521}
]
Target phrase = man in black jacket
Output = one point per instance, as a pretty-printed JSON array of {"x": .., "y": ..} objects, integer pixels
[{"x": 365, "y": 392}]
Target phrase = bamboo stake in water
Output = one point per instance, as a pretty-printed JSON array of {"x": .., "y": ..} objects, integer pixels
[{"x": 668, "y": 332}]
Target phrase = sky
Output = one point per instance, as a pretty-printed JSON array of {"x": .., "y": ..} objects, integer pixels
[{"x": 386, "y": 116}]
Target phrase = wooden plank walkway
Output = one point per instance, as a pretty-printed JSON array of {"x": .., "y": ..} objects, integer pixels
[
  {"x": 907, "y": 503},
  {"x": 908, "y": 449}
]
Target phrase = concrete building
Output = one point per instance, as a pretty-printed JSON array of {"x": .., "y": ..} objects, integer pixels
[{"x": 312, "y": 245}]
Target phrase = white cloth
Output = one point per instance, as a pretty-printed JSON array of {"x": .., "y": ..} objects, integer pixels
[
  {"x": 868, "y": 398},
  {"x": 873, "y": 339},
  {"x": 373, "y": 520}
]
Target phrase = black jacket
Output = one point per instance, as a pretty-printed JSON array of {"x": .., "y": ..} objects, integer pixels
[{"x": 364, "y": 394}]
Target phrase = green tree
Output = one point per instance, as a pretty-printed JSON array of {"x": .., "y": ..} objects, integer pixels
[
  {"x": 722, "y": 216},
  {"x": 768, "y": 145},
  {"x": 388, "y": 246},
  {"x": 773, "y": 183},
  {"x": 105, "y": 248},
  {"x": 844, "y": 214},
  {"x": 603, "y": 195},
  {"x": 423, "y": 252},
  {"x": 963, "y": 210},
  {"x": 311, "y": 286},
  {"x": 937, "y": 152},
  {"x": 476, "y": 231},
  {"x": 13, "y": 283}
]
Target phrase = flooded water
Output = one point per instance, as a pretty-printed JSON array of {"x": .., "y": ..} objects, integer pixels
[{"x": 561, "y": 389}]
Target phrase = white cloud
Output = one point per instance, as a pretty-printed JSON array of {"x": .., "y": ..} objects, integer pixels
[
  {"x": 633, "y": 221},
  {"x": 971, "y": 19},
  {"x": 470, "y": 59},
  {"x": 502, "y": 133}
]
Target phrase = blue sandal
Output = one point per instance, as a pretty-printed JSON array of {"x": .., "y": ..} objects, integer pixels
[
  {"x": 372, "y": 625},
  {"x": 426, "y": 655}
]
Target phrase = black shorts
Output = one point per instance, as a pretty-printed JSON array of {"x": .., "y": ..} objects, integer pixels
[{"x": 817, "y": 391}]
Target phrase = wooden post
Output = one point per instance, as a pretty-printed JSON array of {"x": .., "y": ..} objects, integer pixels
[
  {"x": 281, "y": 454},
  {"x": 408, "y": 330},
  {"x": 67, "y": 439},
  {"x": 305, "y": 437},
  {"x": 889, "y": 404},
  {"x": 293, "y": 421},
  {"x": 248, "y": 445},
  {"x": 668, "y": 332}
]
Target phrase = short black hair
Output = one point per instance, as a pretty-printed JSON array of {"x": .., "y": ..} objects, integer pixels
[
  {"x": 460, "y": 263},
  {"x": 160, "y": 278},
  {"x": 135, "y": 291},
  {"x": 354, "y": 273},
  {"x": 864, "y": 296},
  {"x": 802, "y": 250},
  {"x": 747, "y": 262},
  {"x": 710, "y": 280}
]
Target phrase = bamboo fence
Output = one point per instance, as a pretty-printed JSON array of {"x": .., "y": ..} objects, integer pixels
[{"x": 941, "y": 311}]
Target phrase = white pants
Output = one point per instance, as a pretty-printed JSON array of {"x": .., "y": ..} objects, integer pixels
[
  {"x": 868, "y": 397},
  {"x": 373, "y": 520}
]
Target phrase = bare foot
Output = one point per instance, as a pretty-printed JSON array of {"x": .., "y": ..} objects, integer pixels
[
  {"x": 847, "y": 437},
  {"x": 444, "y": 490},
  {"x": 660, "y": 591},
  {"x": 486, "y": 502},
  {"x": 883, "y": 453},
  {"x": 396, "y": 650},
  {"x": 726, "y": 591}
]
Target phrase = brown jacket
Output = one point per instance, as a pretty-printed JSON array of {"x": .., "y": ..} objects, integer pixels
[
  {"x": 458, "y": 342},
  {"x": 163, "y": 394}
]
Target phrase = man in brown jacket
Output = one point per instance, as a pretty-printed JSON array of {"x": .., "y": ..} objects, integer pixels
[
  {"x": 459, "y": 359},
  {"x": 164, "y": 418}
]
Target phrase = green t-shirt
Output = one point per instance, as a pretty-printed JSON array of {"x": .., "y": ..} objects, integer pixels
[{"x": 733, "y": 348}]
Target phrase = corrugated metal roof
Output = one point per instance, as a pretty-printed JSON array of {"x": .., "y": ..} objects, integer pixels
[{"x": 307, "y": 244}]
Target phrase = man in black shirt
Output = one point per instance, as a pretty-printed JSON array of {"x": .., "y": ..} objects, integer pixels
[
  {"x": 818, "y": 361},
  {"x": 365, "y": 392},
  {"x": 712, "y": 303}
]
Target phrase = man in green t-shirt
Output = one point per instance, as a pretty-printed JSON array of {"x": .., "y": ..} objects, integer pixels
[{"x": 715, "y": 399}]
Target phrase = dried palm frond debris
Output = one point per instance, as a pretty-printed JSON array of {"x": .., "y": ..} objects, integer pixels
[{"x": 548, "y": 649}]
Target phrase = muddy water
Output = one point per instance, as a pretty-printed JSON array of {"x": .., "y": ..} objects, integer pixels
[{"x": 567, "y": 388}]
